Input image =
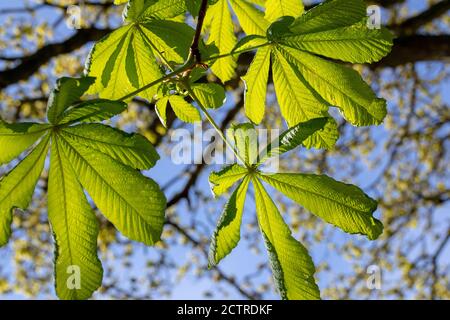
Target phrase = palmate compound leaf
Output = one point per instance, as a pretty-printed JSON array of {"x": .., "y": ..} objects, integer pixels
[
  {"x": 340, "y": 204},
  {"x": 84, "y": 156},
  {"x": 127, "y": 59},
  {"x": 307, "y": 85}
]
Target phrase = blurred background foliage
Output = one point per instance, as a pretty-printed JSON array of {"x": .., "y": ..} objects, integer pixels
[{"x": 403, "y": 163}]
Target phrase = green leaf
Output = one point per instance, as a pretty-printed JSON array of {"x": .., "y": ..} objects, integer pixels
[
  {"x": 16, "y": 138},
  {"x": 341, "y": 86},
  {"x": 249, "y": 43},
  {"x": 93, "y": 110},
  {"x": 161, "y": 107},
  {"x": 292, "y": 267},
  {"x": 171, "y": 39},
  {"x": 298, "y": 101},
  {"x": 66, "y": 92},
  {"x": 133, "y": 150},
  {"x": 210, "y": 95},
  {"x": 356, "y": 43},
  {"x": 17, "y": 187},
  {"x": 256, "y": 85},
  {"x": 279, "y": 28},
  {"x": 132, "y": 202},
  {"x": 279, "y": 8},
  {"x": 222, "y": 35},
  {"x": 163, "y": 9},
  {"x": 245, "y": 139},
  {"x": 324, "y": 139},
  {"x": 227, "y": 233},
  {"x": 343, "y": 205},
  {"x": 330, "y": 15},
  {"x": 122, "y": 54},
  {"x": 224, "y": 179},
  {"x": 183, "y": 110},
  {"x": 293, "y": 137},
  {"x": 75, "y": 230},
  {"x": 250, "y": 19}
]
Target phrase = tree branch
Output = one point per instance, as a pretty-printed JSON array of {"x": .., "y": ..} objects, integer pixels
[
  {"x": 32, "y": 63},
  {"x": 417, "y": 48},
  {"x": 195, "y": 52},
  {"x": 410, "y": 25}
]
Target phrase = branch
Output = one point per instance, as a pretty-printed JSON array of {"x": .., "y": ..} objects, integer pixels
[
  {"x": 417, "y": 48},
  {"x": 195, "y": 52},
  {"x": 32, "y": 63},
  {"x": 410, "y": 25}
]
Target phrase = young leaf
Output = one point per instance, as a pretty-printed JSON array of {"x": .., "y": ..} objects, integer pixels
[
  {"x": 66, "y": 92},
  {"x": 280, "y": 8},
  {"x": 17, "y": 187},
  {"x": 75, "y": 229},
  {"x": 161, "y": 109},
  {"x": 292, "y": 267},
  {"x": 228, "y": 230},
  {"x": 256, "y": 85},
  {"x": 224, "y": 179},
  {"x": 132, "y": 150},
  {"x": 345, "y": 206},
  {"x": 118, "y": 191},
  {"x": 211, "y": 95},
  {"x": 183, "y": 110},
  {"x": 16, "y": 138}
]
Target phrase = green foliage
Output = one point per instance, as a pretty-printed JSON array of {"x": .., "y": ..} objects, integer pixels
[
  {"x": 126, "y": 59},
  {"x": 84, "y": 156},
  {"x": 153, "y": 55},
  {"x": 342, "y": 205},
  {"x": 307, "y": 85}
]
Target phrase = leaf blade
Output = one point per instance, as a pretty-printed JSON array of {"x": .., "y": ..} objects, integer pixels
[
  {"x": 75, "y": 230},
  {"x": 17, "y": 187},
  {"x": 133, "y": 150},
  {"x": 227, "y": 233},
  {"x": 17, "y": 137},
  {"x": 118, "y": 190},
  {"x": 292, "y": 267},
  {"x": 345, "y": 206}
]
